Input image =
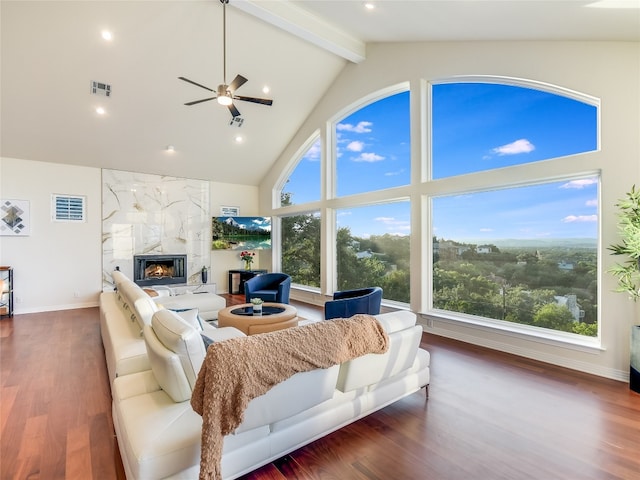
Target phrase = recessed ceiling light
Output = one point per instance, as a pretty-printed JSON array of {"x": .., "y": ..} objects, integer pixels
[
  {"x": 100, "y": 111},
  {"x": 171, "y": 148},
  {"x": 238, "y": 139},
  {"x": 107, "y": 35},
  {"x": 369, "y": 6},
  {"x": 265, "y": 89}
]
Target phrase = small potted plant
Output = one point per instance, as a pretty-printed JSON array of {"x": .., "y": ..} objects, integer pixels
[
  {"x": 257, "y": 305},
  {"x": 628, "y": 272}
]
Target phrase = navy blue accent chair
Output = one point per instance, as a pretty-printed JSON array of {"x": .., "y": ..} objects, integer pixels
[
  {"x": 347, "y": 303},
  {"x": 270, "y": 287}
]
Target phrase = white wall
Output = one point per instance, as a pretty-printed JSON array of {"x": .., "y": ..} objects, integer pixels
[
  {"x": 609, "y": 71},
  {"x": 61, "y": 260},
  {"x": 57, "y": 266}
]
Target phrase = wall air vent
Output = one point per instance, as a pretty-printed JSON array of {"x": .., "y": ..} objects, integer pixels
[
  {"x": 99, "y": 88},
  {"x": 68, "y": 208}
]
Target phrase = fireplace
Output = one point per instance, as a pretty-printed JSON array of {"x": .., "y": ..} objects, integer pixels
[{"x": 159, "y": 269}]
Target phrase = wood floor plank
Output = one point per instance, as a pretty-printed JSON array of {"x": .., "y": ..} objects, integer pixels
[
  {"x": 78, "y": 457},
  {"x": 489, "y": 416}
]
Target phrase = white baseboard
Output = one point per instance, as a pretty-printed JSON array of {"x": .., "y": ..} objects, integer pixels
[
  {"x": 502, "y": 346},
  {"x": 54, "y": 308}
]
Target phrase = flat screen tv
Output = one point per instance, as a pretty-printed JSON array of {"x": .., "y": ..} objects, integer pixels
[{"x": 240, "y": 233}]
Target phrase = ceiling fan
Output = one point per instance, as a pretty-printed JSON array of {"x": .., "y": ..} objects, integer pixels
[{"x": 225, "y": 94}]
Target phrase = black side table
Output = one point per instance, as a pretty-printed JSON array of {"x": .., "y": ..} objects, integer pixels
[{"x": 238, "y": 277}]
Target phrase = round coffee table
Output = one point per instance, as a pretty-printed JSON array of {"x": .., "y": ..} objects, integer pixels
[{"x": 275, "y": 316}]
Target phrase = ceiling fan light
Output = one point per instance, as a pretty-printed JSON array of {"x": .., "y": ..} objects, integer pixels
[{"x": 225, "y": 100}]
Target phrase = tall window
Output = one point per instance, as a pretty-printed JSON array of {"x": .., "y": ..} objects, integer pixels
[
  {"x": 301, "y": 232},
  {"x": 524, "y": 253},
  {"x": 372, "y": 248},
  {"x": 373, "y": 147},
  {"x": 301, "y": 248}
]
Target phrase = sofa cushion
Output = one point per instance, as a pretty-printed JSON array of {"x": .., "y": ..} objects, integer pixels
[
  {"x": 189, "y": 315},
  {"x": 371, "y": 369},
  {"x": 176, "y": 352}
]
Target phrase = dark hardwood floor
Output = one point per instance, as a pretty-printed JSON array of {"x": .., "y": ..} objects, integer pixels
[{"x": 489, "y": 416}]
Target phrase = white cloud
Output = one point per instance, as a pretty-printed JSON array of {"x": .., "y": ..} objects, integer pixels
[
  {"x": 313, "y": 154},
  {"x": 355, "y": 146},
  {"x": 486, "y": 229},
  {"x": 580, "y": 218},
  {"x": 368, "y": 157},
  {"x": 519, "y": 146},
  {"x": 402, "y": 227},
  {"x": 263, "y": 223},
  {"x": 582, "y": 183},
  {"x": 592, "y": 203},
  {"x": 361, "y": 127}
]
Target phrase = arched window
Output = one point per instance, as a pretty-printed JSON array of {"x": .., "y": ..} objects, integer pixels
[
  {"x": 518, "y": 245},
  {"x": 373, "y": 148},
  {"x": 300, "y": 233}
]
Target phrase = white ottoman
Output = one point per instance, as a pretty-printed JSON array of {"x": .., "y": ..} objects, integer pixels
[{"x": 208, "y": 304}]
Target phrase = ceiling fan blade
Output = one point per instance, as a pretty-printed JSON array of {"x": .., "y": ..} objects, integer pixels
[
  {"x": 196, "y": 84},
  {"x": 234, "y": 111},
  {"x": 237, "y": 83},
  {"x": 262, "y": 101},
  {"x": 200, "y": 101}
]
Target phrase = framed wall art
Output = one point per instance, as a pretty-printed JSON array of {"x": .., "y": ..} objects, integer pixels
[{"x": 14, "y": 218}]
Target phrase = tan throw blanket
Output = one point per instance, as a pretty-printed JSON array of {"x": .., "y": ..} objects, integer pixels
[{"x": 239, "y": 369}]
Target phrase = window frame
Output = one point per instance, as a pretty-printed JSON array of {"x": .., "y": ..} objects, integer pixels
[{"x": 562, "y": 168}]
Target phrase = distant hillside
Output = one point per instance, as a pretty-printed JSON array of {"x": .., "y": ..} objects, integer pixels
[{"x": 536, "y": 243}]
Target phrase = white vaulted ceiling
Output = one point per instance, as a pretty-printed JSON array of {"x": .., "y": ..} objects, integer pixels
[{"x": 52, "y": 50}]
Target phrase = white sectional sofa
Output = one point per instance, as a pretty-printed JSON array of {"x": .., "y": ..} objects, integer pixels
[
  {"x": 159, "y": 434},
  {"x": 125, "y": 311}
]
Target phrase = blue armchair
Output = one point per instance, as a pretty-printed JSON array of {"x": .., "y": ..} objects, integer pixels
[
  {"x": 270, "y": 287},
  {"x": 347, "y": 303}
]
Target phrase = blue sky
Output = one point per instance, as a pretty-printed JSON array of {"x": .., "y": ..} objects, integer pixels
[
  {"x": 476, "y": 127},
  {"x": 556, "y": 210}
]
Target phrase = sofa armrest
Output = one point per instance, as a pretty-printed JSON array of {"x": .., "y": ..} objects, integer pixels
[
  {"x": 373, "y": 368},
  {"x": 134, "y": 384}
]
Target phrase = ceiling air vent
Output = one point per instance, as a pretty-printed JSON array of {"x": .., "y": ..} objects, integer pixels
[{"x": 98, "y": 88}]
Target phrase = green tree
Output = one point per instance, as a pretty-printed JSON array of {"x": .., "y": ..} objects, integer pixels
[
  {"x": 349, "y": 273},
  {"x": 554, "y": 316},
  {"x": 301, "y": 246},
  {"x": 396, "y": 286},
  {"x": 588, "y": 329}
]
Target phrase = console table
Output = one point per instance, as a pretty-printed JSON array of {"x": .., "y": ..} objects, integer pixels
[{"x": 238, "y": 277}]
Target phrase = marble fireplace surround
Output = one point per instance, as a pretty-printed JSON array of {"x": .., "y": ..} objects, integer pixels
[{"x": 153, "y": 214}]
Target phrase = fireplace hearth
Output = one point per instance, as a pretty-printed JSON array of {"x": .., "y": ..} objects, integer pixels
[{"x": 159, "y": 269}]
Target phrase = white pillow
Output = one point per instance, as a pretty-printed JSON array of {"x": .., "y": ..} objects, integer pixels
[{"x": 189, "y": 315}]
